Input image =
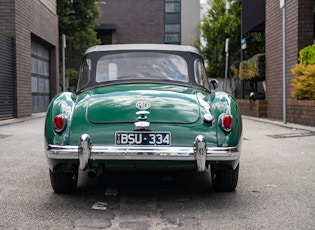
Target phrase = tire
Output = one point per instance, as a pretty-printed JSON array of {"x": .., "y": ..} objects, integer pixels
[
  {"x": 224, "y": 179},
  {"x": 64, "y": 182}
]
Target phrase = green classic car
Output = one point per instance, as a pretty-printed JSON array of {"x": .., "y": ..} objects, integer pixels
[{"x": 142, "y": 107}]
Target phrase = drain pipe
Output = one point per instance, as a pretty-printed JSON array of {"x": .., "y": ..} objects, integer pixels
[
  {"x": 283, "y": 6},
  {"x": 226, "y": 63}
]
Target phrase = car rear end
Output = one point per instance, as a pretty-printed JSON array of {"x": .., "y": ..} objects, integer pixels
[{"x": 118, "y": 121}]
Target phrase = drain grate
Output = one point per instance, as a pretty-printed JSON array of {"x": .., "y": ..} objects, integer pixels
[
  {"x": 292, "y": 135},
  {"x": 4, "y": 136}
]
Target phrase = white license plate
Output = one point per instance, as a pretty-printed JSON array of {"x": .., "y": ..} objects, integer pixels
[{"x": 143, "y": 138}]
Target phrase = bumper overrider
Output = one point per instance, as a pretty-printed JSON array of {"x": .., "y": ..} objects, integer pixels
[{"x": 199, "y": 152}]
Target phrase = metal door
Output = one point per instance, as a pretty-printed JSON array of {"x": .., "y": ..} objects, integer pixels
[{"x": 7, "y": 108}]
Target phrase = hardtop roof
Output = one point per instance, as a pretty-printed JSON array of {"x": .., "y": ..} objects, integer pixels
[{"x": 153, "y": 47}]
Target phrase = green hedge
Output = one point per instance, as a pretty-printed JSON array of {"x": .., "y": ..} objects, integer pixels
[
  {"x": 307, "y": 55},
  {"x": 253, "y": 68},
  {"x": 304, "y": 75},
  {"x": 304, "y": 82}
]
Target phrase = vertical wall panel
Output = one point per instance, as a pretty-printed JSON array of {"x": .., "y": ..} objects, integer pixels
[{"x": 6, "y": 78}]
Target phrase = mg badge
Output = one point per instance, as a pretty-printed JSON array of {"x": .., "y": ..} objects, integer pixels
[{"x": 143, "y": 105}]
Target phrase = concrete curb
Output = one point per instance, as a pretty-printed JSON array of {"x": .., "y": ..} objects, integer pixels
[
  {"x": 280, "y": 123},
  {"x": 22, "y": 119}
]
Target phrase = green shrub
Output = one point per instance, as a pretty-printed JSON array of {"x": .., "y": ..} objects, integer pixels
[
  {"x": 304, "y": 81},
  {"x": 73, "y": 78},
  {"x": 304, "y": 75},
  {"x": 212, "y": 69},
  {"x": 253, "y": 68},
  {"x": 307, "y": 55}
]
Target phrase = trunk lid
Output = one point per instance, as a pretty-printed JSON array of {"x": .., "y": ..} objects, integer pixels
[{"x": 165, "y": 104}]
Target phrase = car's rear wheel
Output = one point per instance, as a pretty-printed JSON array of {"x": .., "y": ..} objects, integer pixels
[
  {"x": 64, "y": 181},
  {"x": 224, "y": 179}
]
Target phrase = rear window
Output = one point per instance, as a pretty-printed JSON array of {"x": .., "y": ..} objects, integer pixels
[
  {"x": 141, "y": 66},
  {"x": 84, "y": 73}
]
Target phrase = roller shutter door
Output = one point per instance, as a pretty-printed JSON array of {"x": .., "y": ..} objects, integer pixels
[{"x": 7, "y": 108}]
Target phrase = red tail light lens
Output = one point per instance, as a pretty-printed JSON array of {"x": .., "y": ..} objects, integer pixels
[
  {"x": 59, "y": 123},
  {"x": 226, "y": 122}
]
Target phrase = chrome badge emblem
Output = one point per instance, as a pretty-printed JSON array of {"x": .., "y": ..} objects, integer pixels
[{"x": 143, "y": 105}]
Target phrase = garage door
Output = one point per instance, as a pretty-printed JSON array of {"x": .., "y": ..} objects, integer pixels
[
  {"x": 40, "y": 77},
  {"x": 7, "y": 109}
]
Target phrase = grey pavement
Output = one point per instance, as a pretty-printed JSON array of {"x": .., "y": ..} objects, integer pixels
[{"x": 275, "y": 190}]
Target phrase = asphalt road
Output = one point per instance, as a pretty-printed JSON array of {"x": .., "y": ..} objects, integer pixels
[{"x": 276, "y": 188}]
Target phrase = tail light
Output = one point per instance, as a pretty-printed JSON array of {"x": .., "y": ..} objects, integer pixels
[
  {"x": 226, "y": 122},
  {"x": 59, "y": 123}
]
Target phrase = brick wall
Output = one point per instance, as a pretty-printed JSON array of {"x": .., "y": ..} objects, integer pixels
[
  {"x": 292, "y": 40},
  {"x": 7, "y": 17},
  {"x": 273, "y": 58},
  {"x": 299, "y": 33},
  {"x": 256, "y": 108},
  {"x": 22, "y": 20},
  {"x": 298, "y": 111},
  {"x": 305, "y": 23},
  {"x": 139, "y": 20},
  {"x": 301, "y": 112}
]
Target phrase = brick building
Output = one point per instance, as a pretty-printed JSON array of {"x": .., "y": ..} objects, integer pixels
[
  {"x": 149, "y": 21},
  {"x": 29, "y": 56},
  {"x": 299, "y": 33},
  {"x": 266, "y": 15}
]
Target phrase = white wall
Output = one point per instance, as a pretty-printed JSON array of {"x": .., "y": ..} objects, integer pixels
[
  {"x": 204, "y": 6},
  {"x": 190, "y": 18},
  {"x": 50, "y": 4}
]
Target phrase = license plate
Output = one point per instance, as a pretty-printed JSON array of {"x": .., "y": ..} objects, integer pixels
[{"x": 143, "y": 138}]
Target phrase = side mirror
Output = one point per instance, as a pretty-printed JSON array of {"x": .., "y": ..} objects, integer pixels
[{"x": 214, "y": 84}]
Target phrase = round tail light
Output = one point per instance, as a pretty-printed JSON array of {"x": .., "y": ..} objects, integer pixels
[
  {"x": 59, "y": 123},
  {"x": 226, "y": 122}
]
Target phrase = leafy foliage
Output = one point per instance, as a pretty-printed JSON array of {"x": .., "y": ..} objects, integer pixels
[
  {"x": 219, "y": 24},
  {"x": 307, "y": 55},
  {"x": 304, "y": 80},
  {"x": 77, "y": 20},
  {"x": 73, "y": 77},
  {"x": 253, "y": 68},
  {"x": 255, "y": 44},
  {"x": 216, "y": 26}
]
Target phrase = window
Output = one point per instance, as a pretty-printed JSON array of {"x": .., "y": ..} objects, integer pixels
[
  {"x": 40, "y": 77},
  {"x": 84, "y": 74},
  {"x": 200, "y": 74},
  {"x": 172, "y": 28},
  {"x": 172, "y": 38},
  {"x": 172, "y": 20},
  {"x": 141, "y": 66},
  {"x": 172, "y": 7}
]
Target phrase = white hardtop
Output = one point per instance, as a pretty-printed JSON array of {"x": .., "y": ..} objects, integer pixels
[{"x": 153, "y": 47}]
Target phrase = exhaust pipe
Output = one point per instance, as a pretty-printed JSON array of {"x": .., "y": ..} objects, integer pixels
[
  {"x": 92, "y": 173},
  {"x": 95, "y": 171}
]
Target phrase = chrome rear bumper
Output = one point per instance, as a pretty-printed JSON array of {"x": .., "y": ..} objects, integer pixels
[{"x": 86, "y": 151}]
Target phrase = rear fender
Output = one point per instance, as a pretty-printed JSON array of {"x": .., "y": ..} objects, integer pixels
[
  {"x": 223, "y": 103},
  {"x": 62, "y": 104}
]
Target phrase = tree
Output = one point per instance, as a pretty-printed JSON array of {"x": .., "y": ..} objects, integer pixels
[
  {"x": 77, "y": 20},
  {"x": 218, "y": 24}
]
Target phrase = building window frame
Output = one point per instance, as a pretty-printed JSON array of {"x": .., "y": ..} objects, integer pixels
[
  {"x": 40, "y": 81},
  {"x": 172, "y": 21}
]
